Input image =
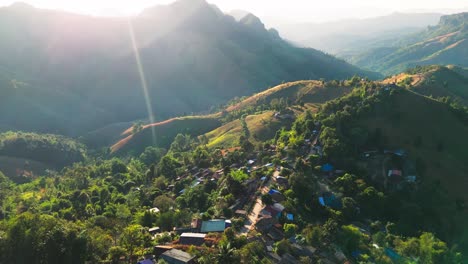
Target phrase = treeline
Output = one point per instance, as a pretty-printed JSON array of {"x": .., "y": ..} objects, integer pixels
[{"x": 53, "y": 150}]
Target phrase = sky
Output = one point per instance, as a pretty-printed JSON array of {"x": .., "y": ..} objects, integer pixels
[{"x": 280, "y": 10}]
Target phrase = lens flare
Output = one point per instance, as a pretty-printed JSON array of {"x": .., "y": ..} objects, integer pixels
[{"x": 144, "y": 84}]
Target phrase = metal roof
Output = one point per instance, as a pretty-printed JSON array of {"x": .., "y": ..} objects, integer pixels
[
  {"x": 197, "y": 235},
  {"x": 213, "y": 226},
  {"x": 178, "y": 254}
]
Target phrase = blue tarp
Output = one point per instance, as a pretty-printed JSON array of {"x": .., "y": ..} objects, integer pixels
[
  {"x": 392, "y": 254},
  {"x": 290, "y": 217},
  {"x": 327, "y": 168},
  {"x": 322, "y": 201},
  {"x": 330, "y": 200},
  {"x": 273, "y": 191}
]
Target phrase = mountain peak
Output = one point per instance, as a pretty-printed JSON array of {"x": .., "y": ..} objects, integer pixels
[
  {"x": 253, "y": 22},
  {"x": 21, "y": 6}
]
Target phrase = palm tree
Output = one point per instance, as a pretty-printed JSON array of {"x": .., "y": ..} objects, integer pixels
[{"x": 226, "y": 254}]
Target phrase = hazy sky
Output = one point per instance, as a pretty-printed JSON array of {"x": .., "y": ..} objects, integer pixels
[{"x": 287, "y": 10}]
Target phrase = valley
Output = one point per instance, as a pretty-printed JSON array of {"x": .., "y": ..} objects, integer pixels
[{"x": 189, "y": 134}]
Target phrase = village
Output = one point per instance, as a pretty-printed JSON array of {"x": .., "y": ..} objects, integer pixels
[{"x": 259, "y": 214}]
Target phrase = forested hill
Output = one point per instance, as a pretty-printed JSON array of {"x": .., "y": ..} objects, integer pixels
[
  {"x": 445, "y": 43},
  {"x": 447, "y": 82},
  {"x": 79, "y": 73}
]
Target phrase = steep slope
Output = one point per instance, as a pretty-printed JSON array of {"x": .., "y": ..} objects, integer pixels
[
  {"x": 446, "y": 43},
  {"x": 436, "y": 81},
  {"x": 192, "y": 55}
]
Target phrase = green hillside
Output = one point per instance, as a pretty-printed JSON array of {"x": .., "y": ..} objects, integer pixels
[
  {"x": 52, "y": 150},
  {"x": 436, "y": 81},
  {"x": 432, "y": 136},
  {"x": 446, "y": 43}
]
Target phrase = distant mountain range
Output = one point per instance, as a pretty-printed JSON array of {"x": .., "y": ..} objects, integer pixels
[
  {"x": 355, "y": 34},
  {"x": 69, "y": 74},
  {"x": 443, "y": 44}
]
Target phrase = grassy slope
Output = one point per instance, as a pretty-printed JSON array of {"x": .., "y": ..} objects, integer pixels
[
  {"x": 165, "y": 132},
  {"x": 263, "y": 126},
  {"x": 438, "y": 81}
]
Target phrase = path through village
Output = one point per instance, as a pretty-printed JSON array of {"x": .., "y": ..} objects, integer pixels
[{"x": 253, "y": 216}]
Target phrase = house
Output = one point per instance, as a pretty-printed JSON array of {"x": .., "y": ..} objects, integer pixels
[
  {"x": 276, "y": 195},
  {"x": 175, "y": 256},
  {"x": 154, "y": 230},
  {"x": 195, "y": 239},
  {"x": 396, "y": 176},
  {"x": 251, "y": 185},
  {"x": 282, "y": 181},
  {"x": 275, "y": 234},
  {"x": 265, "y": 223},
  {"x": 240, "y": 213},
  {"x": 217, "y": 225},
  {"x": 274, "y": 210},
  {"x": 160, "y": 249}
]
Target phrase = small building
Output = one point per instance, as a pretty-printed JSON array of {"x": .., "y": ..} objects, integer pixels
[
  {"x": 154, "y": 230},
  {"x": 265, "y": 223},
  {"x": 195, "y": 239},
  {"x": 175, "y": 256},
  {"x": 240, "y": 213},
  {"x": 217, "y": 225},
  {"x": 276, "y": 195},
  {"x": 282, "y": 181},
  {"x": 160, "y": 249}
]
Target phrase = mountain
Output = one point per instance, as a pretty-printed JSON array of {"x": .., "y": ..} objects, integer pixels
[
  {"x": 349, "y": 35},
  {"x": 445, "y": 43},
  {"x": 80, "y": 73}
]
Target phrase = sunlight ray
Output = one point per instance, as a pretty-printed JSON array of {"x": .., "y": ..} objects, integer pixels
[{"x": 144, "y": 83}]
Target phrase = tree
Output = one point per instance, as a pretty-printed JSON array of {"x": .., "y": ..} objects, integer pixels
[
  {"x": 290, "y": 230},
  {"x": 152, "y": 155},
  {"x": 133, "y": 238},
  {"x": 164, "y": 203},
  {"x": 226, "y": 254},
  {"x": 168, "y": 166},
  {"x": 137, "y": 127}
]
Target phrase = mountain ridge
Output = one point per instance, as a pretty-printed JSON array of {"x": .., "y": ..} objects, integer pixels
[{"x": 197, "y": 58}]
